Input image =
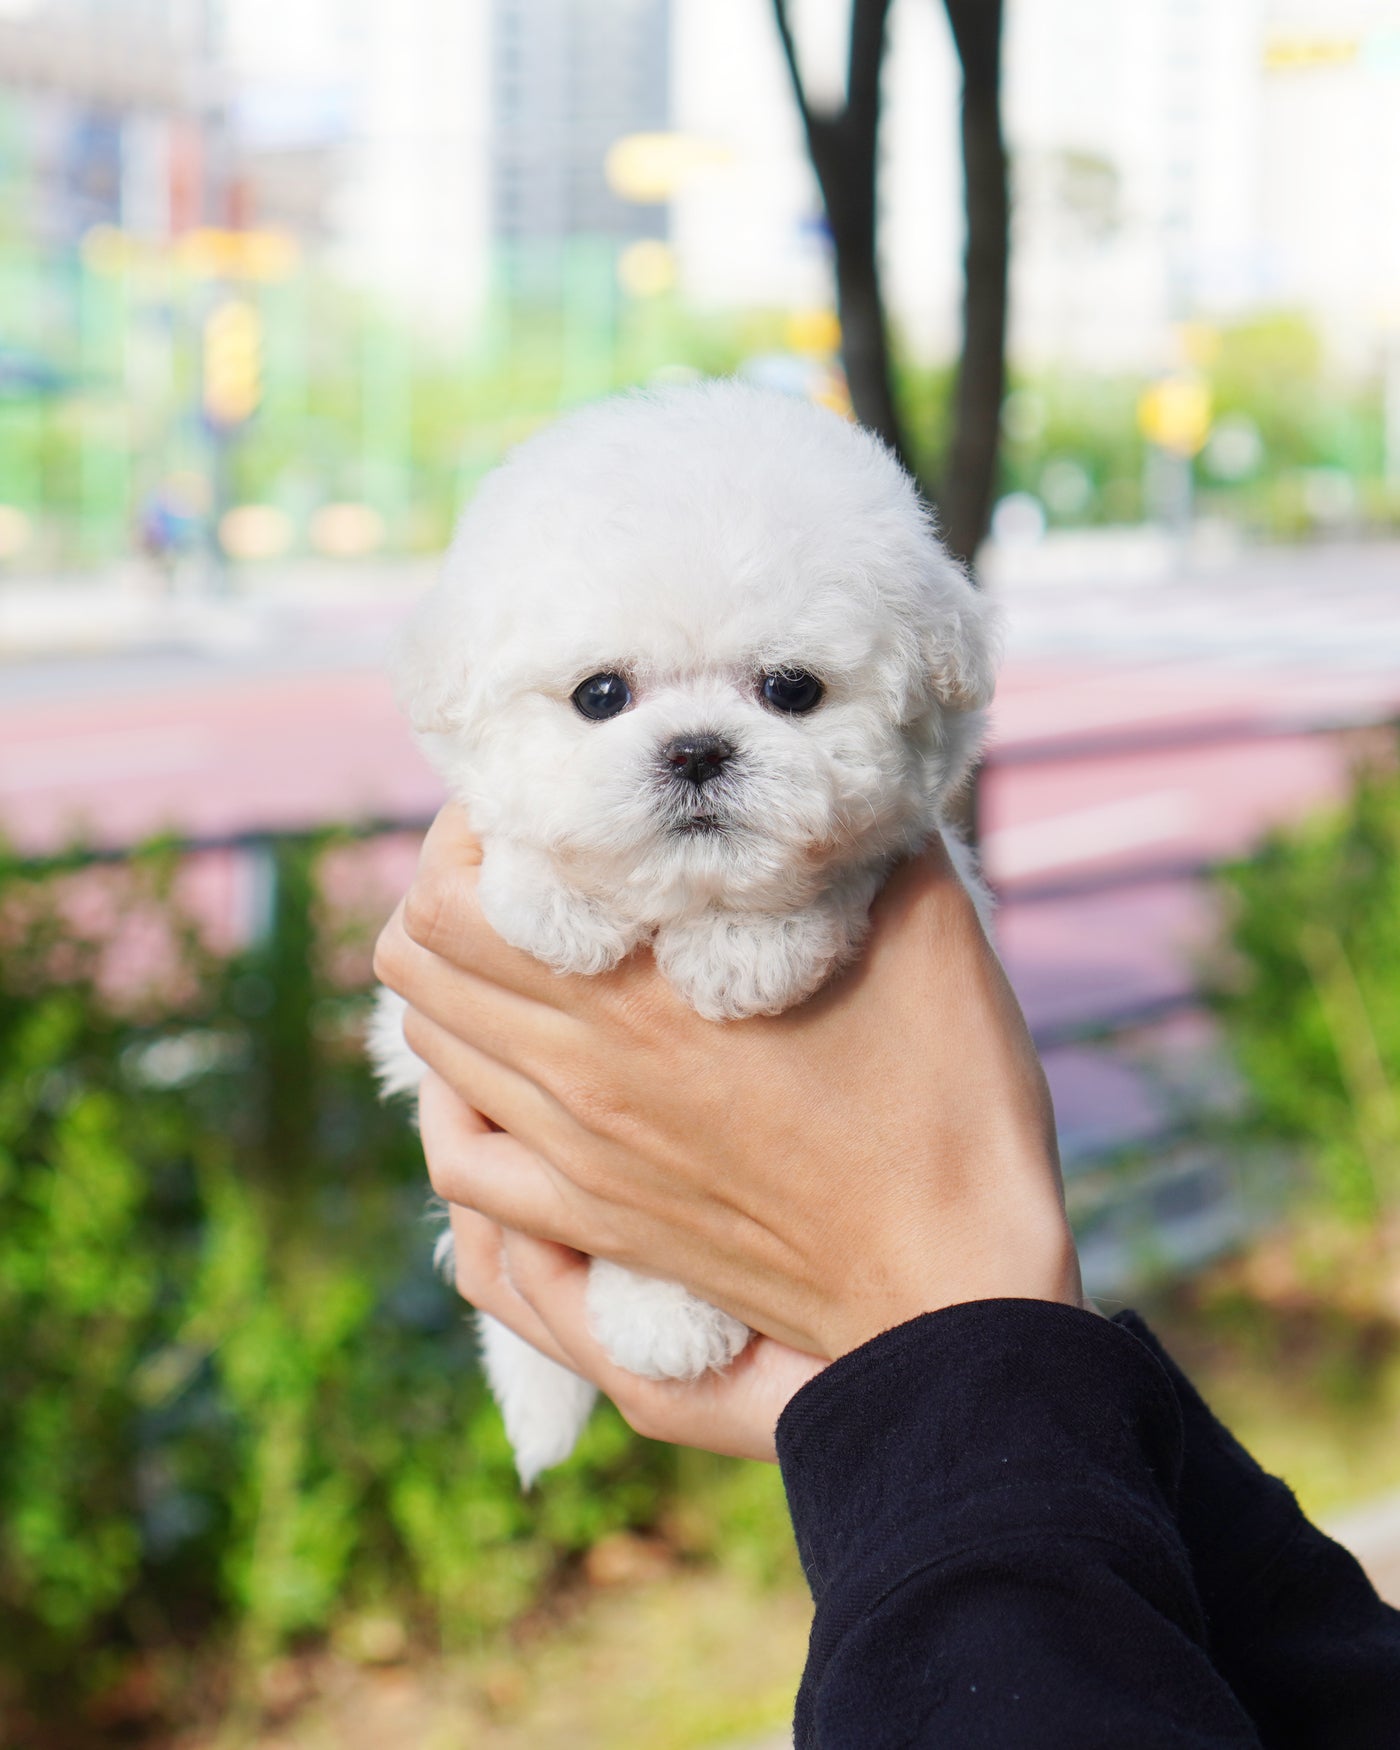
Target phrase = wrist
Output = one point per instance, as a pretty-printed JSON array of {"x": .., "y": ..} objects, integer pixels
[{"x": 1046, "y": 1271}]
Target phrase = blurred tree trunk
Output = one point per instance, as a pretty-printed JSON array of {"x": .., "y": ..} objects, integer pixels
[
  {"x": 969, "y": 474},
  {"x": 843, "y": 145}
]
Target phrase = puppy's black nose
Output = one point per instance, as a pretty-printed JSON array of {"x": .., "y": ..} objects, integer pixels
[{"x": 697, "y": 758}]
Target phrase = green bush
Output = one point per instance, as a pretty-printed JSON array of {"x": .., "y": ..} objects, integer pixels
[
  {"x": 235, "y": 1403},
  {"x": 1311, "y": 998}
]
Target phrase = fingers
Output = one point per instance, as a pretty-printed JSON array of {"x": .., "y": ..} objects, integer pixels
[
  {"x": 441, "y": 914},
  {"x": 450, "y": 839},
  {"x": 735, "y": 1412},
  {"x": 481, "y": 1277},
  {"x": 538, "y": 1289},
  {"x": 510, "y": 1100},
  {"x": 516, "y": 1028},
  {"x": 539, "y": 1292},
  {"x": 441, "y": 911},
  {"x": 496, "y": 1175}
]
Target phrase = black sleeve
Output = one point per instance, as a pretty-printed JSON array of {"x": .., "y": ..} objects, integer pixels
[
  {"x": 1292, "y": 1622},
  {"x": 985, "y": 1505}
]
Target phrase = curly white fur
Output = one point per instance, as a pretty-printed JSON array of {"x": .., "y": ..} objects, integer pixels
[{"x": 690, "y": 541}]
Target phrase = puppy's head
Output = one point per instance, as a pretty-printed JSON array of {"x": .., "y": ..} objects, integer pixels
[{"x": 702, "y": 641}]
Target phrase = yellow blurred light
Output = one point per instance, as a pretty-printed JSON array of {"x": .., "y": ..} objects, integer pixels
[
  {"x": 15, "y": 530},
  {"x": 814, "y": 333},
  {"x": 830, "y": 390},
  {"x": 652, "y": 167},
  {"x": 347, "y": 531},
  {"x": 255, "y": 531},
  {"x": 1175, "y": 415},
  {"x": 209, "y": 253},
  {"x": 646, "y": 268},
  {"x": 232, "y": 362},
  {"x": 1291, "y": 54},
  {"x": 107, "y": 250}
]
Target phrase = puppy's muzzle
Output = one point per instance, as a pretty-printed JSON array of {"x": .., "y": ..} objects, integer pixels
[{"x": 695, "y": 759}]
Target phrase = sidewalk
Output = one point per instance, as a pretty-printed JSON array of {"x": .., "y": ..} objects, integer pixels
[{"x": 341, "y": 611}]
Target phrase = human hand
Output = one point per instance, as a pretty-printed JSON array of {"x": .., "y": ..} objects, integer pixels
[
  {"x": 538, "y": 1289},
  {"x": 885, "y": 1149}
]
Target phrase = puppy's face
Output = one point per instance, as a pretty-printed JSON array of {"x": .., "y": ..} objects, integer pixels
[
  {"x": 650, "y": 763},
  {"x": 727, "y": 678}
]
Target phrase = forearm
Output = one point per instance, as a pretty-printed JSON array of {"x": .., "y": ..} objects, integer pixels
[{"x": 985, "y": 1504}]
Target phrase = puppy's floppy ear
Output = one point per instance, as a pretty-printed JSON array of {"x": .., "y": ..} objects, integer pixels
[
  {"x": 428, "y": 664},
  {"x": 962, "y": 643}
]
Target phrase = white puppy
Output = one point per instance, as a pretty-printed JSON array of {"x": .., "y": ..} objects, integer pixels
[{"x": 700, "y": 671}]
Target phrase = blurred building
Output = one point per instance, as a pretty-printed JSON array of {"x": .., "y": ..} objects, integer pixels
[
  {"x": 1173, "y": 159},
  {"x": 568, "y": 79},
  {"x": 468, "y": 128},
  {"x": 1203, "y": 158},
  {"x": 1329, "y": 151},
  {"x": 152, "y": 115},
  {"x": 91, "y": 106},
  {"x": 1134, "y": 136}
]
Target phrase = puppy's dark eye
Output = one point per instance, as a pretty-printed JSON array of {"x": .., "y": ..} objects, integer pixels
[
  {"x": 792, "y": 690},
  {"x": 600, "y": 696}
]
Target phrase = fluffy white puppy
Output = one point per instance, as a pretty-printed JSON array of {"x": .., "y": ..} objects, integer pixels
[{"x": 700, "y": 671}]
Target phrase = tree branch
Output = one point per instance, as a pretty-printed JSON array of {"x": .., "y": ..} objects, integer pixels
[
  {"x": 969, "y": 474},
  {"x": 869, "y": 19},
  {"x": 844, "y": 156}
]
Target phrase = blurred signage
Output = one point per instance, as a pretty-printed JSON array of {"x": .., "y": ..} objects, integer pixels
[
  {"x": 207, "y": 253},
  {"x": 1289, "y": 54},
  {"x": 1378, "y": 51},
  {"x": 237, "y": 255},
  {"x": 648, "y": 168},
  {"x": 1175, "y": 415},
  {"x": 646, "y": 268},
  {"x": 233, "y": 339}
]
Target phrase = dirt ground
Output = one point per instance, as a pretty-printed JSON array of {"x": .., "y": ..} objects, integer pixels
[
  {"x": 687, "y": 1660},
  {"x": 680, "y": 1661}
]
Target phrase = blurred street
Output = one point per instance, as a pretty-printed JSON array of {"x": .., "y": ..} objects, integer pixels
[
  {"x": 125, "y": 715},
  {"x": 1180, "y": 706}
]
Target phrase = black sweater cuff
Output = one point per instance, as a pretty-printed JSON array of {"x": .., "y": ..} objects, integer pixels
[
  {"x": 1023, "y": 1529},
  {"x": 1023, "y": 1412},
  {"x": 984, "y": 1501}
]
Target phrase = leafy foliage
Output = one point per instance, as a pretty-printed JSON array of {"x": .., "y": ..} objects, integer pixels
[
  {"x": 235, "y": 1403},
  {"x": 1312, "y": 1003}
]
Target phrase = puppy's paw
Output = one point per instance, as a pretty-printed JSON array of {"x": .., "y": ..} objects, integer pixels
[
  {"x": 730, "y": 964},
  {"x": 543, "y": 1405},
  {"x": 659, "y": 1329},
  {"x": 526, "y": 904}
]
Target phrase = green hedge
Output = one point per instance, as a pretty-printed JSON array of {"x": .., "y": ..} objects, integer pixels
[
  {"x": 235, "y": 1404},
  {"x": 1309, "y": 994}
]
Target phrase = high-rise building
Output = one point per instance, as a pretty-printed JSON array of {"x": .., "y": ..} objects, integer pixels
[{"x": 568, "y": 79}]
